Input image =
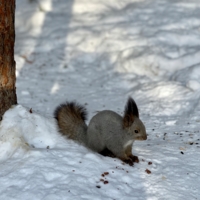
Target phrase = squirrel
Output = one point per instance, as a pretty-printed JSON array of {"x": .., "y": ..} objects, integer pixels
[{"x": 107, "y": 132}]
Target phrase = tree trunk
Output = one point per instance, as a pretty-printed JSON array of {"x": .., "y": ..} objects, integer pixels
[{"x": 7, "y": 63}]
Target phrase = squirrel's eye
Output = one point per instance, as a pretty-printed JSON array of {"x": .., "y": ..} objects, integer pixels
[{"x": 136, "y": 131}]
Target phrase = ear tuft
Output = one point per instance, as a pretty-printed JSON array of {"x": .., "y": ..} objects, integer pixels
[{"x": 130, "y": 113}]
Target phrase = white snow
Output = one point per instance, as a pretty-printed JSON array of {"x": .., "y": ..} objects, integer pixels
[{"x": 99, "y": 52}]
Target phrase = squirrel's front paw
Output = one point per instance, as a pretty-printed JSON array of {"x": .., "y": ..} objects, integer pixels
[
  {"x": 129, "y": 161},
  {"x": 134, "y": 158}
]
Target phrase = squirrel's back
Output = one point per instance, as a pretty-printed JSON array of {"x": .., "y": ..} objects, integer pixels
[
  {"x": 71, "y": 118},
  {"x": 105, "y": 127}
]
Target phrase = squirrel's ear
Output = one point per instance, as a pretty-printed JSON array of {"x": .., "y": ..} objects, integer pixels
[{"x": 130, "y": 113}]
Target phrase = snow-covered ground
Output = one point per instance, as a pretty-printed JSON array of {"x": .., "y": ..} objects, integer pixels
[{"x": 99, "y": 52}]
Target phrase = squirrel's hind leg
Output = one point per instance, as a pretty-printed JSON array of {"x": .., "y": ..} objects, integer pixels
[{"x": 107, "y": 152}]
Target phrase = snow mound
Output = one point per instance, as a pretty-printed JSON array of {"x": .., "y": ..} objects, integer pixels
[
  {"x": 23, "y": 129},
  {"x": 166, "y": 99}
]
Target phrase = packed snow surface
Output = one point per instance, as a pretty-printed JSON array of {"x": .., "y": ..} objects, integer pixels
[{"x": 100, "y": 52}]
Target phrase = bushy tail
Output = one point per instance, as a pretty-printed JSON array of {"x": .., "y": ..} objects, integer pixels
[{"x": 71, "y": 121}]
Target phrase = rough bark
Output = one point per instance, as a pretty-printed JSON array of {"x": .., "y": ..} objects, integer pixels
[{"x": 7, "y": 63}]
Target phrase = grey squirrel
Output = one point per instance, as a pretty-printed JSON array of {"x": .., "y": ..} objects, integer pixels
[{"x": 107, "y": 132}]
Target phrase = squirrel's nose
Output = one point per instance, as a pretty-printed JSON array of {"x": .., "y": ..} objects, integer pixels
[{"x": 145, "y": 137}]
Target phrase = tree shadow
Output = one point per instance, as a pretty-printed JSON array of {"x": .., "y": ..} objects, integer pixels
[{"x": 41, "y": 46}]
